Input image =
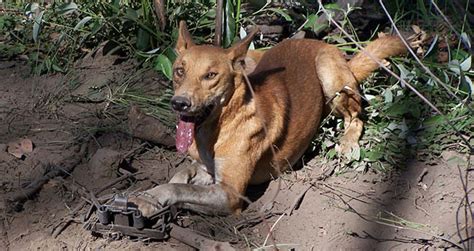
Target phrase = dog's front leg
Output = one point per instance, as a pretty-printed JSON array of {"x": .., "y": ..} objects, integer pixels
[
  {"x": 222, "y": 197},
  {"x": 208, "y": 199},
  {"x": 194, "y": 174}
]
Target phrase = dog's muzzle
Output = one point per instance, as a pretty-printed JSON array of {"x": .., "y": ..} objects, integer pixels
[{"x": 180, "y": 103}]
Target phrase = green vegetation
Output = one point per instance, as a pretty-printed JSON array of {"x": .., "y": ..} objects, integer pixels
[{"x": 52, "y": 37}]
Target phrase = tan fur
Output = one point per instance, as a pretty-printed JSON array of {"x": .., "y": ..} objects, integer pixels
[
  {"x": 362, "y": 65},
  {"x": 233, "y": 146}
]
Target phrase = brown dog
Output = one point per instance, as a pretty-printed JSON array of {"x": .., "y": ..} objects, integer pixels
[{"x": 237, "y": 137}]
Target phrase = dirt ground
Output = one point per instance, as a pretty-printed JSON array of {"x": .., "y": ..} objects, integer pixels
[{"x": 419, "y": 206}]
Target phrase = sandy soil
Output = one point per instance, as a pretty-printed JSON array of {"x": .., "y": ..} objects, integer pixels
[{"x": 417, "y": 207}]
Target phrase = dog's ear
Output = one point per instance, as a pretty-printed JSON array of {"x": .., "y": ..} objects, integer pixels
[
  {"x": 185, "y": 40},
  {"x": 237, "y": 52}
]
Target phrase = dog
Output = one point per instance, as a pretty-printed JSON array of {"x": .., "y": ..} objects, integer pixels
[{"x": 240, "y": 133}]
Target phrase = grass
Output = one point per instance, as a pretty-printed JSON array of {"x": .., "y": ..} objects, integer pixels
[{"x": 399, "y": 125}]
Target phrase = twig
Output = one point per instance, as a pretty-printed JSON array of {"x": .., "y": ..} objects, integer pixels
[
  {"x": 197, "y": 241},
  {"x": 270, "y": 233},
  {"x": 397, "y": 239},
  {"x": 134, "y": 150},
  {"x": 419, "y": 207},
  {"x": 218, "y": 32},
  {"x": 422, "y": 175},
  {"x": 297, "y": 202},
  {"x": 254, "y": 220},
  {"x": 467, "y": 209},
  {"x": 62, "y": 226}
]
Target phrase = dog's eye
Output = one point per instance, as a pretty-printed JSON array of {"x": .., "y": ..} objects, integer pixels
[
  {"x": 179, "y": 72},
  {"x": 210, "y": 75}
]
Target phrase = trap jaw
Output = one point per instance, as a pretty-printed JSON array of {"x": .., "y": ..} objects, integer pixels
[{"x": 121, "y": 218}]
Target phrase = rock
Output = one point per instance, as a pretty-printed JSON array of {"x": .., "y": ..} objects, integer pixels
[
  {"x": 148, "y": 128},
  {"x": 104, "y": 162}
]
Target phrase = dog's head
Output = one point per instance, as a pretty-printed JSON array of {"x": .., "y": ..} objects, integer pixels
[{"x": 203, "y": 80}]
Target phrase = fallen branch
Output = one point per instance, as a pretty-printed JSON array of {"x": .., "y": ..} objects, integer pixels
[
  {"x": 159, "y": 6},
  {"x": 218, "y": 22},
  {"x": 197, "y": 241},
  {"x": 65, "y": 167}
]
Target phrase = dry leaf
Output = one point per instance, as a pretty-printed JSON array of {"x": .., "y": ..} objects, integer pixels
[
  {"x": 20, "y": 147},
  {"x": 416, "y": 28},
  {"x": 442, "y": 57},
  {"x": 381, "y": 34}
]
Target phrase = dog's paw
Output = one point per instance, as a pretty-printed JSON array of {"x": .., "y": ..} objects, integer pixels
[
  {"x": 147, "y": 205},
  {"x": 348, "y": 149},
  {"x": 151, "y": 201}
]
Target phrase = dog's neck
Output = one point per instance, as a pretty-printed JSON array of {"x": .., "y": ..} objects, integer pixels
[{"x": 236, "y": 103}]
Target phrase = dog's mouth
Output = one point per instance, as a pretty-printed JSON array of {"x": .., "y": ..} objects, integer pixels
[{"x": 187, "y": 125}]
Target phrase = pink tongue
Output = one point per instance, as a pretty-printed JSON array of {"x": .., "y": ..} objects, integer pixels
[{"x": 184, "y": 135}]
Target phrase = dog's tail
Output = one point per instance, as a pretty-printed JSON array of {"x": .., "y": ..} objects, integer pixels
[{"x": 362, "y": 65}]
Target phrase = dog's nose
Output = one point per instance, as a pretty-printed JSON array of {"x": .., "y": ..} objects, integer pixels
[{"x": 180, "y": 103}]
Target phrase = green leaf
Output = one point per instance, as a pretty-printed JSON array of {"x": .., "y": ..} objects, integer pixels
[
  {"x": 82, "y": 23},
  {"x": 96, "y": 27},
  {"x": 388, "y": 96},
  {"x": 404, "y": 73},
  {"x": 282, "y": 13},
  {"x": 465, "y": 39},
  {"x": 331, "y": 153},
  {"x": 171, "y": 54},
  {"x": 434, "y": 121},
  {"x": 131, "y": 14},
  {"x": 466, "y": 84},
  {"x": 373, "y": 156},
  {"x": 163, "y": 64},
  {"x": 56, "y": 68},
  {"x": 143, "y": 39},
  {"x": 466, "y": 64},
  {"x": 229, "y": 24},
  {"x": 37, "y": 26},
  {"x": 398, "y": 109},
  {"x": 310, "y": 21},
  {"x": 67, "y": 8},
  {"x": 454, "y": 66},
  {"x": 433, "y": 44},
  {"x": 332, "y": 6}
]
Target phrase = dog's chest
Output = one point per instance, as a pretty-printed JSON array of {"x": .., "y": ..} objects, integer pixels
[{"x": 201, "y": 152}]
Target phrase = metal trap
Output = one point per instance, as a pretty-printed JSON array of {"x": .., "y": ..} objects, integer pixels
[{"x": 120, "y": 219}]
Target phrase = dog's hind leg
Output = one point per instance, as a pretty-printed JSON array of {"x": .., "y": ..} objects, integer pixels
[{"x": 341, "y": 91}]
